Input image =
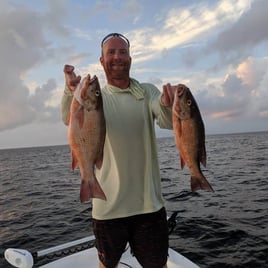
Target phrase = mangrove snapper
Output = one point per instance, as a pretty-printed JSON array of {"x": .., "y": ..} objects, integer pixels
[
  {"x": 189, "y": 132},
  {"x": 86, "y": 134}
]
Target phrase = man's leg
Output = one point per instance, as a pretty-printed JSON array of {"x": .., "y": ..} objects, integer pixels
[
  {"x": 111, "y": 240},
  {"x": 149, "y": 239}
]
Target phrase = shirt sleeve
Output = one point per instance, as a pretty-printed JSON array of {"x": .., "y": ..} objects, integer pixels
[
  {"x": 65, "y": 105},
  {"x": 161, "y": 113}
]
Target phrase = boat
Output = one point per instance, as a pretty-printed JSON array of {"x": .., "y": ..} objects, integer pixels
[{"x": 86, "y": 256}]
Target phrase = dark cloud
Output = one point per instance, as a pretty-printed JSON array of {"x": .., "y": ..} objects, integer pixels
[
  {"x": 233, "y": 43},
  {"x": 52, "y": 19},
  {"x": 22, "y": 40},
  {"x": 238, "y": 42},
  {"x": 24, "y": 46},
  {"x": 38, "y": 103},
  {"x": 249, "y": 30}
]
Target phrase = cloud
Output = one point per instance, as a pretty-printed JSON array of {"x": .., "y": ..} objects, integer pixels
[
  {"x": 40, "y": 102},
  {"x": 241, "y": 95},
  {"x": 226, "y": 115},
  {"x": 129, "y": 10},
  {"x": 54, "y": 16},
  {"x": 239, "y": 39},
  {"x": 250, "y": 30},
  {"x": 202, "y": 31},
  {"x": 133, "y": 8},
  {"x": 22, "y": 39},
  {"x": 77, "y": 58},
  {"x": 252, "y": 71},
  {"x": 23, "y": 47},
  {"x": 187, "y": 29}
]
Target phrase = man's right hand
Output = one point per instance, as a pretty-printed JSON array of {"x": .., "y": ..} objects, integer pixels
[
  {"x": 71, "y": 79},
  {"x": 167, "y": 97}
]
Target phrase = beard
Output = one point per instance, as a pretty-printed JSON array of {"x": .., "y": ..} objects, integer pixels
[{"x": 117, "y": 70}]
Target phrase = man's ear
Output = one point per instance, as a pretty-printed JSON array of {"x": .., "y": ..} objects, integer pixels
[{"x": 101, "y": 61}]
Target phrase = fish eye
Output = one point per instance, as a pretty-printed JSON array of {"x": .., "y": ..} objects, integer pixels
[
  {"x": 189, "y": 102},
  {"x": 97, "y": 93}
]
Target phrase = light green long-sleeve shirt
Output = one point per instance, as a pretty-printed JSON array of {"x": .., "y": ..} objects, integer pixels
[{"x": 129, "y": 176}]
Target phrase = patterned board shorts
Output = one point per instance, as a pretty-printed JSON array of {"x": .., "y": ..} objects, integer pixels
[{"x": 147, "y": 235}]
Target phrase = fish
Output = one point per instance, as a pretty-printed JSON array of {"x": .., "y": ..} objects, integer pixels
[
  {"x": 189, "y": 135},
  {"x": 86, "y": 135}
]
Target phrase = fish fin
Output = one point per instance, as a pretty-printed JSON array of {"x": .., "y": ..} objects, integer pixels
[
  {"x": 177, "y": 128},
  {"x": 203, "y": 159},
  {"x": 80, "y": 116},
  {"x": 200, "y": 183},
  {"x": 69, "y": 119},
  {"x": 74, "y": 161},
  {"x": 182, "y": 162},
  {"x": 91, "y": 189},
  {"x": 99, "y": 160}
]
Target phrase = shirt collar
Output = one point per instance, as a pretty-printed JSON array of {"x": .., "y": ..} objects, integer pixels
[{"x": 135, "y": 89}]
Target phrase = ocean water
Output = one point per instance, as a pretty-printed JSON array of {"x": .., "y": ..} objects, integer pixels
[{"x": 40, "y": 208}]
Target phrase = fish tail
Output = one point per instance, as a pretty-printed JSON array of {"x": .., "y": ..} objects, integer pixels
[
  {"x": 200, "y": 183},
  {"x": 91, "y": 189}
]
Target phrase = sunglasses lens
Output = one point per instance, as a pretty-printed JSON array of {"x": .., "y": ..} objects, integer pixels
[{"x": 109, "y": 36}]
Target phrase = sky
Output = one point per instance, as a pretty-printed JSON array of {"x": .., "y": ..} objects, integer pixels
[{"x": 217, "y": 48}]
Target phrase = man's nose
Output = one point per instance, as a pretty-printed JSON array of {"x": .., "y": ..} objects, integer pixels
[{"x": 116, "y": 55}]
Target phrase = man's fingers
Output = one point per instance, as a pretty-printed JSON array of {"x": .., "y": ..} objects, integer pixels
[
  {"x": 71, "y": 79},
  {"x": 165, "y": 98},
  {"x": 68, "y": 69},
  {"x": 75, "y": 81}
]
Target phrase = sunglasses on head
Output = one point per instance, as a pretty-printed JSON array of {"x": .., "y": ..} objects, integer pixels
[{"x": 111, "y": 35}]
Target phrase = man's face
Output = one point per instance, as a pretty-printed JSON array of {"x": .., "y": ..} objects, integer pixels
[{"x": 115, "y": 58}]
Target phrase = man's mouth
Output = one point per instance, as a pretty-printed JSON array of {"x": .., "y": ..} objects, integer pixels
[{"x": 118, "y": 65}]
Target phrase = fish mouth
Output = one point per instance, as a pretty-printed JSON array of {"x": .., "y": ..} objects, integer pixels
[
  {"x": 93, "y": 79},
  {"x": 180, "y": 91}
]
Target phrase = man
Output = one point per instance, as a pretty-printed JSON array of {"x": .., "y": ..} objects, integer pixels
[{"x": 134, "y": 211}]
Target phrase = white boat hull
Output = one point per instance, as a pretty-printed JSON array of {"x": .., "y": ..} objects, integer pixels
[{"x": 89, "y": 258}]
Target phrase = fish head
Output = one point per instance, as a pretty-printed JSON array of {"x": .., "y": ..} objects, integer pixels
[
  {"x": 91, "y": 93},
  {"x": 184, "y": 104}
]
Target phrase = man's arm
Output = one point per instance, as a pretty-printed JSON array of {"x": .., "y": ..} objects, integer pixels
[{"x": 65, "y": 105}]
